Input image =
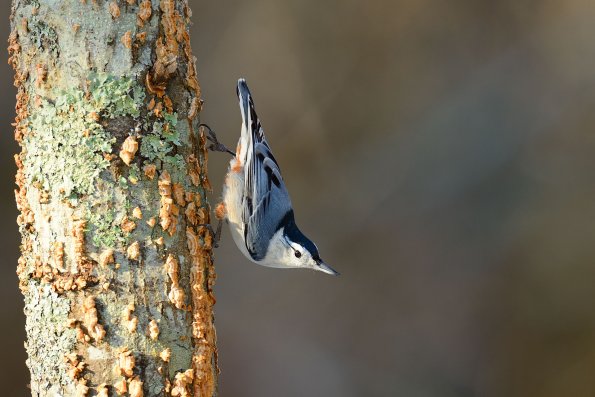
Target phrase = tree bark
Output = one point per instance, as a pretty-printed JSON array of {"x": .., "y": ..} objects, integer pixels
[{"x": 116, "y": 267}]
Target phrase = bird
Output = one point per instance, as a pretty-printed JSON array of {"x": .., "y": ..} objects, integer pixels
[{"x": 256, "y": 204}]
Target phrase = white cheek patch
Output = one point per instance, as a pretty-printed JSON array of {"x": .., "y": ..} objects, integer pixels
[{"x": 295, "y": 247}]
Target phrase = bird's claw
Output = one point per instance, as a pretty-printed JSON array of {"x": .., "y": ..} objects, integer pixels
[
  {"x": 215, "y": 233},
  {"x": 215, "y": 145}
]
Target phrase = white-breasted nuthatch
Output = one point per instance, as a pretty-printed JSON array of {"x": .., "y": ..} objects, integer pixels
[{"x": 256, "y": 203}]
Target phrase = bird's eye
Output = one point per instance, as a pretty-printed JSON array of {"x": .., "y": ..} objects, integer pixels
[{"x": 298, "y": 254}]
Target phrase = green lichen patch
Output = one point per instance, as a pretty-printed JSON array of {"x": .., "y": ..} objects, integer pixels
[
  {"x": 66, "y": 146},
  {"x": 64, "y": 149},
  {"x": 105, "y": 210},
  {"x": 105, "y": 229},
  {"x": 162, "y": 141},
  {"x": 42, "y": 35},
  {"x": 134, "y": 174},
  {"x": 116, "y": 97},
  {"x": 47, "y": 315}
]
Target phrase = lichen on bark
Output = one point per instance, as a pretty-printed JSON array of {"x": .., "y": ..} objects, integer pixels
[
  {"x": 65, "y": 141},
  {"x": 116, "y": 264}
]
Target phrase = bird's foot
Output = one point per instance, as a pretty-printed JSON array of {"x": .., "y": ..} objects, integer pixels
[
  {"x": 215, "y": 145},
  {"x": 215, "y": 233}
]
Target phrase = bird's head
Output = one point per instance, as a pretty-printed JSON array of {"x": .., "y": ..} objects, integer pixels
[{"x": 294, "y": 249}]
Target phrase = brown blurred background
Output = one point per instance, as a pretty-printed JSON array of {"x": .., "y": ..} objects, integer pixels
[{"x": 442, "y": 156}]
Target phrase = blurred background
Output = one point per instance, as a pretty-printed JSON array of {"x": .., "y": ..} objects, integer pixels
[{"x": 442, "y": 156}]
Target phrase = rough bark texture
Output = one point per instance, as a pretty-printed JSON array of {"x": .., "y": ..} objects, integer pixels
[{"x": 116, "y": 266}]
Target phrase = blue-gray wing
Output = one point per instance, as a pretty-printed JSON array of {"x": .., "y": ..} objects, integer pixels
[
  {"x": 269, "y": 202},
  {"x": 266, "y": 200}
]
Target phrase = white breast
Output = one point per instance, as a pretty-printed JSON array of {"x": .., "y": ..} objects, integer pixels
[{"x": 232, "y": 197}]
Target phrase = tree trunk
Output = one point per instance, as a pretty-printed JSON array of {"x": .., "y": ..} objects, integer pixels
[{"x": 116, "y": 267}]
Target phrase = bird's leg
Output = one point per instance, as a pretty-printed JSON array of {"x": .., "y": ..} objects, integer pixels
[
  {"x": 215, "y": 233},
  {"x": 215, "y": 145}
]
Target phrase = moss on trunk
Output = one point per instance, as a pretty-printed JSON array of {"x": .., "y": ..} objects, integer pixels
[{"x": 116, "y": 266}]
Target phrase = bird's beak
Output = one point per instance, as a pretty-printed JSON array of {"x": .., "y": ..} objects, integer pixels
[{"x": 323, "y": 267}]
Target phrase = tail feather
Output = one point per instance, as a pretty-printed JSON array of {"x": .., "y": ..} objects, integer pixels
[
  {"x": 249, "y": 116},
  {"x": 245, "y": 98},
  {"x": 252, "y": 132}
]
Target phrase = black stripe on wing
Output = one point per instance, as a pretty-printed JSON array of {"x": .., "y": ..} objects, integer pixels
[
  {"x": 266, "y": 200},
  {"x": 251, "y": 118}
]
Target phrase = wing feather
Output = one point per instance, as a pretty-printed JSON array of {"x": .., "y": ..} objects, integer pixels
[{"x": 266, "y": 200}]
